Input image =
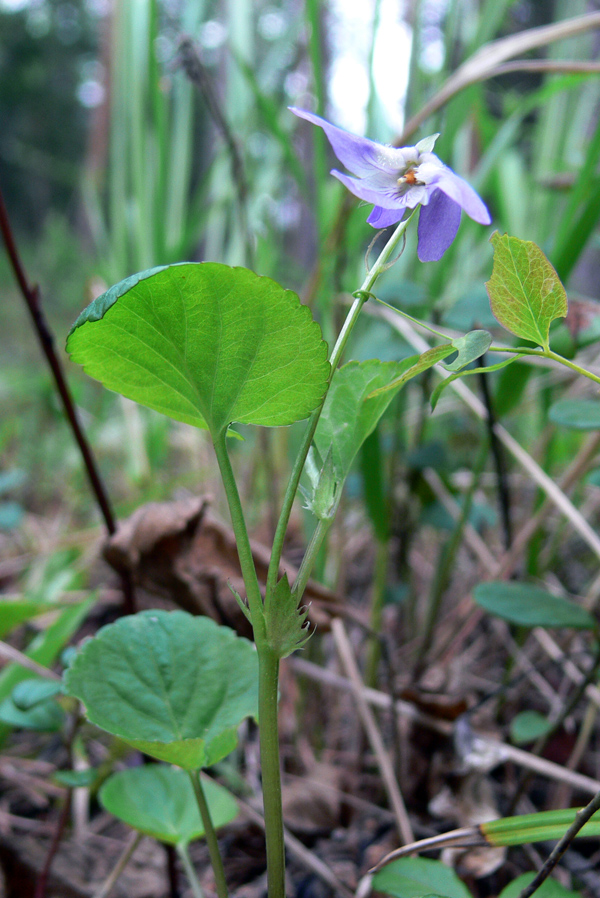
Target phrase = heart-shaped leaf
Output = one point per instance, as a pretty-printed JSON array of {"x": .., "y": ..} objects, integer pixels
[
  {"x": 525, "y": 291},
  {"x": 159, "y": 801},
  {"x": 351, "y": 412},
  {"x": 172, "y": 685},
  {"x": 529, "y": 606},
  {"x": 205, "y": 344}
]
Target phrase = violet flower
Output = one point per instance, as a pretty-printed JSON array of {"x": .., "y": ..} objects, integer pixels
[{"x": 396, "y": 179}]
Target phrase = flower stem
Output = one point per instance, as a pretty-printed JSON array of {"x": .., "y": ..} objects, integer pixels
[
  {"x": 361, "y": 297},
  {"x": 182, "y": 851},
  {"x": 210, "y": 835},
  {"x": 268, "y": 679},
  {"x": 242, "y": 539}
]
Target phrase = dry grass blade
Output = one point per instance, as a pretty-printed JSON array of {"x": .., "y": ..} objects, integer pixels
[
  {"x": 130, "y": 846},
  {"x": 8, "y": 653},
  {"x": 346, "y": 654},
  {"x": 488, "y": 58}
]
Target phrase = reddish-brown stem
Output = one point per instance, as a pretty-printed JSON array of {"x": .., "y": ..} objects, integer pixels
[
  {"x": 31, "y": 295},
  {"x": 40, "y": 888}
]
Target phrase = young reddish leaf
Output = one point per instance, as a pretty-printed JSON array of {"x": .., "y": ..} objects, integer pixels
[{"x": 525, "y": 291}]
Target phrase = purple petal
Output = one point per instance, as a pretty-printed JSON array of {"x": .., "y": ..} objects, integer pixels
[
  {"x": 383, "y": 218},
  {"x": 371, "y": 192},
  {"x": 463, "y": 194},
  {"x": 358, "y": 154},
  {"x": 438, "y": 224}
]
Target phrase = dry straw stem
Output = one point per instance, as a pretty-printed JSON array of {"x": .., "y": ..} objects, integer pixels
[
  {"x": 348, "y": 661},
  {"x": 546, "y": 484},
  {"x": 8, "y": 653},
  {"x": 496, "y": 752},
  {"x": 569, "y": 668},
  {"x": 130, "y": 846},
  {"x": 487, "y": 60}
]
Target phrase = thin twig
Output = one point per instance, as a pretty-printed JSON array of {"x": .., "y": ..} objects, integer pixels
[
  {"x": 31, "y": 295},
  {"x": 581, "y": 818},
  {"x": 495, "y": 752},
  {"x": 485, "y": 62},
  {"x": 191, "y": 63},
  {"x": 350, "y": 666},
  {"x": 130, "y": 846},
  {"x": 40, "y": 888},
  {"x": 14, "y": 655}
]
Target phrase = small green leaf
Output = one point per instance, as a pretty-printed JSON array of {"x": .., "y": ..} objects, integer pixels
[
  {"x": 528, "y": 726},
  {"x": 205, "y": 344},
  {"x": 529, "y": 606},
  {"x": 29, "y": 693},
  {"x": 172, "y": 685},
  {"x": 159, "y": 801},
  {"x": 550, "y": 888},
  {"x": 46, "y": 717},
  {"x": 413, "y": 368},
  {"x": 470, "y": 347},
  {"x": 354, "y": 405},
  {"x": 525, "y": 291},
  {"x": 287, "y": 627},
  {"x": 416, "y": 877},
  {"x": 577, "y": 414}
]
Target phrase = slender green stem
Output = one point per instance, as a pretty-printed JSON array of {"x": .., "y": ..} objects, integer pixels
[
  {"x": 182, "y": 851},
  {"x": 568, "y": 364},
  {"x": 361, "y": 297},
  {"x": 242, "y": 539},
  {"x": 268, "y": 667},
  {"x": 209, "y": 834},
  {"x": 547, "y": 354}
]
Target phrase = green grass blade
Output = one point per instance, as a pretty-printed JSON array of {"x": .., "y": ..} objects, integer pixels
[{"x": 527, "y": 828}]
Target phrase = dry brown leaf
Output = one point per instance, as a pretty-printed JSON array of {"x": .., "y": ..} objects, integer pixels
[{"x": 182, "y": 552}]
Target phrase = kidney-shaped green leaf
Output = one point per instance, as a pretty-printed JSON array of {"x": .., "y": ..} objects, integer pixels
[
  {"x": 350, "y": 414},
  {"x": 525, "y": 291},
  {"x": 159, "y": 801},
  {"x": 413, "y": 877},
  {"x": 170, "y": 684},
  {"x": 205, "y": 344},
  {"x": 530, "y": 606}
]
